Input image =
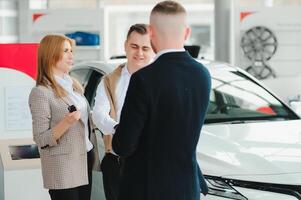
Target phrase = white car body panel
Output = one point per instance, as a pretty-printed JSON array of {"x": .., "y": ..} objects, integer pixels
[{"x": 263, "y": 152}]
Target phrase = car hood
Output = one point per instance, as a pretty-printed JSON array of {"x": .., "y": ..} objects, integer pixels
[{"x": 263, "y": 152}]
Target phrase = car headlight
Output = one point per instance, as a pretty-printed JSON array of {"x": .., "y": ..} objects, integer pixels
[{"x": 220, "y": 187}]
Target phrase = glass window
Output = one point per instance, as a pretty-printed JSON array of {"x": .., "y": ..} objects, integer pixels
[
  {"x": 200, "y": 34},
  {"x": 200, "y": 17},
  {"x": 91, "y": 88},
  {"x": 81, "y": 75},
  {"x": 38, "y": 4},
  {"x": 236, "y": 97},
  {"x": 10, "y": 26},
  {"x": 8, "y": 5}
]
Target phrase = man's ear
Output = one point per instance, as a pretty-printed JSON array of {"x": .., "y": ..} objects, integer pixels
[
  {"x": 187, "y": 33},
  {"x": 151, "y": 31}
]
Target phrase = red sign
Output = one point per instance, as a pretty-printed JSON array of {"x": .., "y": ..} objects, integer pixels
[
  {"x": 20, "y": 57},
  {"x": 245, "y": 14}
]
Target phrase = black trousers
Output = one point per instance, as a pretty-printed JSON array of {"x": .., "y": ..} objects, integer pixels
[
  {"x": 111, "y": 171},
  {"x": 78, "y": 193}
]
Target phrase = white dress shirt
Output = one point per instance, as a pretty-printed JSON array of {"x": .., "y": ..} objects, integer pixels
[
  {"x": 100, "y": 114},
  {"x": 79, "y": 102},
  {"x": 167, "y": 51}
]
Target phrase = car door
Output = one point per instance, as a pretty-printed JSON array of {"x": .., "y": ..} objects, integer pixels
[
  {"x": 91, "y": 87},
  {"x": 89, "y": 78}
]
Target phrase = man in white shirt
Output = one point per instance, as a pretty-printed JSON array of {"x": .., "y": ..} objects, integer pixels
[{"x": 110, "y": 97}]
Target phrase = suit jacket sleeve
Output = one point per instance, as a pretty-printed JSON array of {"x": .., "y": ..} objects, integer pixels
[
  {"x": 41, "y": 116},
  {"x": 133, "y": 116},
  {"x": 203, "y": 184}
]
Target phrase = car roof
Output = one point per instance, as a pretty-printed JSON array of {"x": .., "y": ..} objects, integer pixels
[
  {"x": 108, "y": 66},
  {"x": 215, "y": 65}
]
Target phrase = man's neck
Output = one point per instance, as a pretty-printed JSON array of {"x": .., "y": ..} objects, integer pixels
[
  {"x": 169, "y": 45},
  {"x": 131, "y": 68}
]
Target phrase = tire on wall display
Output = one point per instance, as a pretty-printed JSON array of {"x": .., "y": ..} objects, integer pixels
[
  {"x": 261, "y": 71},
  {"x": 259, "y": 44}
]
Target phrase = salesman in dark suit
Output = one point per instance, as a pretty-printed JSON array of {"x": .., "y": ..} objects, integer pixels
[{"x": 162, "y": 116}]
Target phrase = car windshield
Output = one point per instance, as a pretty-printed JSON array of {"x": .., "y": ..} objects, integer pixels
[{"x": 235, "y": 98}]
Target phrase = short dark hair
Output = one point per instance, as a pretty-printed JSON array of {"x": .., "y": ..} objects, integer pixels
[
  {"x": 139, "y": 28},
  {"x": 168, "y": 8}
]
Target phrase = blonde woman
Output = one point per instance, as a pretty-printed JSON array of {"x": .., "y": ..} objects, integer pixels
[{"x": 61, "y": 123}]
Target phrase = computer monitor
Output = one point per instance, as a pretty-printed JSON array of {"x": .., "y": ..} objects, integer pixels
[
  {"x": 193, "y": 50},
  {"x": 24, "y": 152}
]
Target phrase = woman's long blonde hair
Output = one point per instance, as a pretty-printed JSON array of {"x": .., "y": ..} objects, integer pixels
[{"x": 50, "y": 51}]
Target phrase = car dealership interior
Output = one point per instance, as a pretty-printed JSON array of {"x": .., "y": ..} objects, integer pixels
[{"x": 250, "y": 144}]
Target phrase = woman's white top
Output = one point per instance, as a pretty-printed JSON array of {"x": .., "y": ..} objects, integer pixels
[{"x": 79, "y": 102}]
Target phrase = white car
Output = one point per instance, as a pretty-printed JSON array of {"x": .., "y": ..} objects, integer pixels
[{"x": 250, "y": 145}]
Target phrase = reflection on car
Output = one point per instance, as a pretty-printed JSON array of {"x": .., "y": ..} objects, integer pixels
[{"x": 250, "y": 145}]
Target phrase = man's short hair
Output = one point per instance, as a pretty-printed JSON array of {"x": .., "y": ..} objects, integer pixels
[
  {"x": 168, "y": 8},
  {"x": 139, "y": 28}
]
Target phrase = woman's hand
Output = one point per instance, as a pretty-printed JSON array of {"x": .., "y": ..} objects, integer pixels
[
  {"x": 73, "y": 117},
  {"x": 65, "y": 123}
]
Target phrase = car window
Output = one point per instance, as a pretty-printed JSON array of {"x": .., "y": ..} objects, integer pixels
[
  {"x": 81, "y": 75},
  {"x": 90, "y": 91},
  {"x": 234, "y": 96}
]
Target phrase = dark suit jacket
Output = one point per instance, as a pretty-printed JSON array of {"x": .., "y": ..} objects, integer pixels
[{"x": 159, "y": 129}]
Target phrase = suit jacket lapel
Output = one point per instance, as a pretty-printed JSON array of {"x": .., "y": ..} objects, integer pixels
[{"x": 67, "y": 101}]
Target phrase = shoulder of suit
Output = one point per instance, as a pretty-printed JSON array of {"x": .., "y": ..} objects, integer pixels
[
  {"x": 38, "y": 92},
  {"x": 41, "y": 90}
]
